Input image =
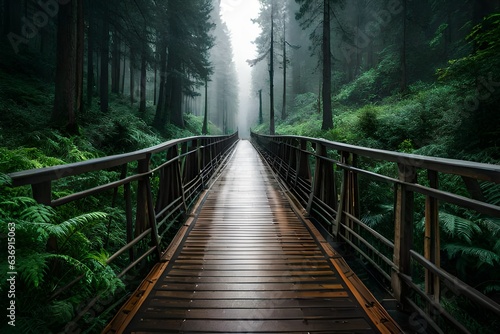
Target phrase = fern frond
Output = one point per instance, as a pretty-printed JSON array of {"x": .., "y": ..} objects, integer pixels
[
  {"x": 491, "y": 225},
  {"x": 32, "y": 325},
  {"x": 483, "y": 256},
  {"x": 33, "y": 268},
  {"x": 38, "y": 214},
  {"x": 69, "y": 227},
  {"x": 80, "y": 267},
  {"x": 458, "y": 227},
  {"x": 17, "y": 204},
  {"x": 492, "y": 193},
  {"x": 101, "y": 257},
  {"x": 5, "y": 180},
  {"x": 492, "y": 288},
  {"x": 62, "y": 310}
]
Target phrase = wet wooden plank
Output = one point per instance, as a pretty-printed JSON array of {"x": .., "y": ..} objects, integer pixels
[{"x": 258, "y": 325}]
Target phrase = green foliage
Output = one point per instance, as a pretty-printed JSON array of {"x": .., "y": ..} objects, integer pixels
[
  {"x": 52, "y": 253},
  {"x": 485, "y": 39},
  {"x": 374, "y": 84}
]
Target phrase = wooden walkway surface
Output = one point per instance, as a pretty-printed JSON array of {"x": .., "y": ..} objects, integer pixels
[{"x": 246, "y": 263}]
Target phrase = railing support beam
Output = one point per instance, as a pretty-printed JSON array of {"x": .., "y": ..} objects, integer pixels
[{"x": 403, "y": 236}]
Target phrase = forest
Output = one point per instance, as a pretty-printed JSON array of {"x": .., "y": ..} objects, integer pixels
[{"x": 81, "y": 79}]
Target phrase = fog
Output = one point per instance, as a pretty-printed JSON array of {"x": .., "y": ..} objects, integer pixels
[{"x": 238, "y": 14}]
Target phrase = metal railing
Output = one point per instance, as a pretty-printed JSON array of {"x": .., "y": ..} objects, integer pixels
[{"x": 325, "y": 179}]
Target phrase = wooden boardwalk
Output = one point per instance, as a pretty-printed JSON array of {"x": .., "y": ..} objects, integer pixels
[{"x": 247, "y": 263}]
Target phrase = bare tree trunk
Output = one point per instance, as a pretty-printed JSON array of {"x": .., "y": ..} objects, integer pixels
[
  {"x": 124, "y": 69},
  {"x": 271, "y": 76},
  {"x": 142, "y": 103},
  {"x": 90, "y": 62},
  {"x": 104, "y": 86},
  {"x": 204, "y": 130},
  {"x": 116, "y": 62},
  {"x": 160, "y": 118},
  {"x": 132, "y": 76},
  {"x": 283, "y": 107},
  {"x": 80, "y": 49},
  {"x": 63, "y": 114},
  {"x": 261, "y": 118},
  {"x": 327, "y": 70},
  {"x": 404, "y": 74}
]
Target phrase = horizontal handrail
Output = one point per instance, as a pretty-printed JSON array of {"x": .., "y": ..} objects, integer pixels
[
  {"x": 481, "y": 171},
  {"x": 323, "y": 182},
  {"x": 39, "y": 175}
]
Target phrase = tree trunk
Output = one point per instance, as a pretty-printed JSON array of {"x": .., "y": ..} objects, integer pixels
[
  {"x": 204, "y": 130},
  {"x": 404, "y": 73},
  {"x": 271, "y": 76},
  {"x": 63, "y": 114},
  {"x": 327, "y": 70},
  {"x": 80, "y": 50},
  {"x": 116, "y": 62},
  {"x": 90, "y": 62},
  {"x": 132, "y": 76},
  {"x": 104, "y": 86},
  {"x": 261, "y": 118},
  {"x": 283, "y": 107},
  {"x": 122, "y": 88},
  {"x": 155, "y": 97},
  {"x": 142, "y": 104},
  {"x": 175, "y": 110},
  {"x": 160, "y": 118}
]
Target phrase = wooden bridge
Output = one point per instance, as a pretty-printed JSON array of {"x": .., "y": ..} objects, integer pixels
[
  {"x": 248, "y": 263},
  {"x": 253, "y": 253}
]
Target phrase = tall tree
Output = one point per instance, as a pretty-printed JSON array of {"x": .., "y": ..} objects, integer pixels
[
  {"x": 309, "y": 10},
  {"x": 64, "y": 112},
  {"x": 265, "y": 47},
  {"x": 104, "y": 46},
  {"x": 188, "y": 41}
]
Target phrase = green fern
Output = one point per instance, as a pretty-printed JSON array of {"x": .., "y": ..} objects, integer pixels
[
  {"x": 33, "y": 268},
  {"x": 483, "y": 256},
  {"x": 492, "y": 193},
  {"x": 38, "y": 214},
  {"x": 5, "y": 180},
  {"x": 62, "y": 310},
  {"x": 458, "y": 227},
  {"x": 68, "y": 228}
]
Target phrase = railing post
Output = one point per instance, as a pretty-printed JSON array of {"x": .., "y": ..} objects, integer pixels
[
  {"x": 324, "y": 180},
  {"x": 142, "y": 198},
  {"x": 349, "y": 196},
  {"x": 403, "y": 234},
  {"x": 303, "y": 170},
  {"x": 292, "y": 159},
  {"x": 128, "y": 215},
  {"x": 42, "y": 192},
  {"x": 432, "y": 239}
]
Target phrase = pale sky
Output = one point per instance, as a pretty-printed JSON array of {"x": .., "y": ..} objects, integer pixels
[{"x": 238, "y": 14}]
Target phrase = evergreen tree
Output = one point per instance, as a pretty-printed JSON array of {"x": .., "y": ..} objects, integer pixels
[
  {"x": 309, "y": 10},
  {"x": 188, "y": 42}
]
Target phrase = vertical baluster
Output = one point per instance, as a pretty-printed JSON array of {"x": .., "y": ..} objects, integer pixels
[
  {"x": 140, "y": 218},
  {"x": 128, "y": 214},
  {"x": 42, "y": 192},
  {"x": 432, "y": 239},
  {"x": 403, "y": 236}
]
